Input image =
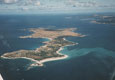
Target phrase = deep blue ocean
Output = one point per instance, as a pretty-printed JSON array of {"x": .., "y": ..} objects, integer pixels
[{"x": 92, "y": 59}]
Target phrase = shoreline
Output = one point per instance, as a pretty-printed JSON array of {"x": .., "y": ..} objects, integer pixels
[{"x": 41, "y": 62}]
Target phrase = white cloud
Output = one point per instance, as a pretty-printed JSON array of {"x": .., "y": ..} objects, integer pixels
[
  {"x": 24, "y": 8},
  {"x": 5, "y": 43},
  {"x": 38, "y": 3},
  {"x": 54, "y": 5},
  {"x": 82, "y": 3},
  {"x": 10, "y": 1}
]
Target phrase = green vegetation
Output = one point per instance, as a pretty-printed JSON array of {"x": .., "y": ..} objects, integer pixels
[
  {"x": 43, "y": 52},
  {"x": 50, "y": 49}
]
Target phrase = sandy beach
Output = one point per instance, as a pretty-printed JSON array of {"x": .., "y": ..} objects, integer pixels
[
  {"x": 42, "y": 33},
  {"x": 40, "y": 63}
]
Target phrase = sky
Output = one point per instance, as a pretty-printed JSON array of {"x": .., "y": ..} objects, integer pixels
[{"x": 56, "y": 6}]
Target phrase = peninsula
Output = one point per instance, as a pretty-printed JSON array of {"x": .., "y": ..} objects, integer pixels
[{"x": 48, "y": 52}]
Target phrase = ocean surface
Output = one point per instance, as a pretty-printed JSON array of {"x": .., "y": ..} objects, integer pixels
[{"x": 92, "y": 59}]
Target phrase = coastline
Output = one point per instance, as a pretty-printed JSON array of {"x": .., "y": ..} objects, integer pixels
[
  {"x": 40, "y": 63},
  {"x": 55, "y": 58}
]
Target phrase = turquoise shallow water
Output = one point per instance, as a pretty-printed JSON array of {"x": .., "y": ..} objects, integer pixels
[
  {"x": 100, "y": 52},
  {"x": 92, "y": 59}
]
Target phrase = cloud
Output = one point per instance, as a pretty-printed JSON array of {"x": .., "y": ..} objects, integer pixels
[
  {"x": 4, "y": 41},
  {"x": 24, "y": 9},
  {"x": 75, "y": 3},
  {"x": 1, "y": 37},
  {"x": 10, "y": 1},
  {"x": 52, "y": 5},
  {"x": 56, "y": 3},
  {"x": 38, "y": 3}
]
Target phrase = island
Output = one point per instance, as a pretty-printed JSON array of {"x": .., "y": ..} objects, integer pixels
[
  {"x": 48, "y": 52},
  {"x": 100, "y": 19}
]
